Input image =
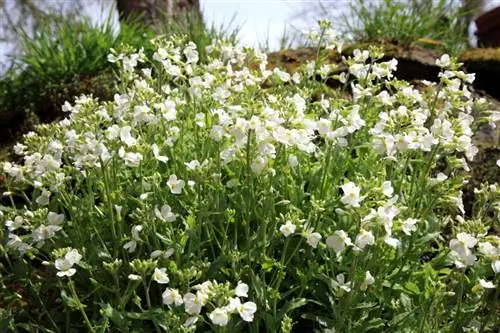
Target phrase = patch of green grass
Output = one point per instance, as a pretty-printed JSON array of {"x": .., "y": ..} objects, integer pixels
[
  {"x": 60, "y": 60},
  {"x": 436, "y": 24}
]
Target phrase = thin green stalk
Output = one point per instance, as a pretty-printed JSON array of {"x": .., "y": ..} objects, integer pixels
[{"x": 80, "y": 306}]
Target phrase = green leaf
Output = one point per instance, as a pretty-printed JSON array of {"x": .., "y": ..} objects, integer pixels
[
  {"x": 290, "y": 306},
  {"x": 116, "y": 316},
  {"x": 412, "y": 288},
  {"x": 268, "y": 264},
  {"x": 69, "y": 300},
  {"x": 375, "y": 323},
  {"x": 427, "y": 238}
]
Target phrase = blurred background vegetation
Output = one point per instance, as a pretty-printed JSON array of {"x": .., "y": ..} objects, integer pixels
[{"x": 58, "y": 53}]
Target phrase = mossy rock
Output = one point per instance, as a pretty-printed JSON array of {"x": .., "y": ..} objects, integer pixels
[
  {"x": 26, "y": 109},
  {"x": 414, "y": 62},
  {"x": 486, "y": 64}
]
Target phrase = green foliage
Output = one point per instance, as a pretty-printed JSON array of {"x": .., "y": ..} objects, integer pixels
[
  {"x": 198, "y": 201},
  {"x": 66, "y": 56},
  {"x": 440, "y": 23}
]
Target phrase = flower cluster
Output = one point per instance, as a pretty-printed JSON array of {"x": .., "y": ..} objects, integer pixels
[{"x": 196, "y": 172}]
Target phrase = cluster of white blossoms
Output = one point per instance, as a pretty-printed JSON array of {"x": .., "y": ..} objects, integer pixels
[
  {"x": 206, "y": 292},
  {"x": 181, "y": 134},
  {"x": 462, "y": 250}
]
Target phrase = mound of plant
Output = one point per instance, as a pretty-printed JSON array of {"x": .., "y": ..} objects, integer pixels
[{"x": 198, "y": 201}]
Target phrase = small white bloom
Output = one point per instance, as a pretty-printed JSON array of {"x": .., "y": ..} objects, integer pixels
[
  {"x": 192, "y": 304},
  {"x": 65, "y": 265},
  {"x": 126, "y": 137},
  {"x": 341, "y": 283},
  {"x": 364, "y": 238},
  {"x": 44, "y": 198},
  {"x": 293, "y": 162},
  {"x": 495, "y": 265},
  {"x": 391, "y": 241},
  {"x": 245, "y": 310},
  {"x": 134, "y": 277},
  {"x": 17, "y": 223},
  {"x": 241, "y": 290},
  {"x": 160, "y": 275},
  {"x": 190, "y": 321},
  {"x": 387, "y": 189},
  {"x": 351, "y": 195},
  {"x": 487, "y": 284},
  {"x": 54, "y": 218},
  {"x": 156, "y": 153},
  {"x": 288, "y": 228},
  {"x": 312, "y": 238},
  {"x": 369, "y": 279},
  {"x": 409, "y": 226},
  {"x": 165, "y": 214},
  {"x": 219, "y": 317},
  {"x": 462, "y": 244},
  {"x": 338, "y": 241},
  {"x": 175, "y": 184},
  {"x": 498, "y": 163},
  {"x": 444, "y": 61},
  {"x": 172, "y": 296},
  {"x": 192, "y": 165}
]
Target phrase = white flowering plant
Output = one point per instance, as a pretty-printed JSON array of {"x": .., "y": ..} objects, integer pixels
[{"x": 197, "y": 200}]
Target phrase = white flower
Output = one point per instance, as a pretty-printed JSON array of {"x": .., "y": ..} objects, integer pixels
[
  {"x": 391, "y": 241},
  {"x": 172, "y": 296},
  {"x": 293, "y": 162},
  {"x": 219, "y": 317},
  {"x": 409, "y": 226},
  {"x": 462, "y": 244},
  {"x": 192, "y": 304},
  {"x": 163, "y": 254},
  {"x": 165, "y": 214},
  {"x": 387, "y": 189},
  {"x": 44, "y": 198},
  {"x": 156, "y": 153},
  {"x": 54, "y": 218},
  {"x": 364, "y": 238},
  {"x": 444, "y": 61},
  {"x": 338, "y": 241},
  {"x": 369, "y": 280},
  {"x": 341, "y": 283},
  {"x": 258, "y": 164},
  {"x": 175, "y": 184},
  {"x": 351, "y": 195},
  {"x": 245, "y": 310},
  {"x": 288, "y": 228},
  {"x": 241, "y": 290},
  {"x": 498, "y": 163},
  {"x": 190, "y": 321},
  {"x": 487, "y": 284},
  {"x": 17, "y": 223},
  {"x": 132, "y": 159},
  {"x": 495, "y": 265},
  {"x": 193, "y": 165},
  {"x": 65, "y": 265},
  {"x": 132, "y": 244},
  {"x": 126, "y": 137},
  {"x": 160, "y": 276},
  {"x": 134, "y": 277},
  {"x": 312, "y": 238}
]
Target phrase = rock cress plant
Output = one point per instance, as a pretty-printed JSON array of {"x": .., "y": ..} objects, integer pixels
[{"x": 197, "y": 200}]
